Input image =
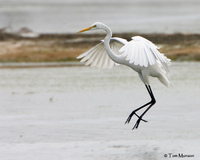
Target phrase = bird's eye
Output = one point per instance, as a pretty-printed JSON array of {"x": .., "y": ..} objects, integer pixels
[{"x": 94, "y": 26}]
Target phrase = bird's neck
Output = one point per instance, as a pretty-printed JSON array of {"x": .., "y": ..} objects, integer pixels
[
  {"x": 110, "y": 53},
  {"x": 108, "y": 35}
]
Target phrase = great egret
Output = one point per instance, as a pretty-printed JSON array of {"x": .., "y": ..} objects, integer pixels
[{"x": 140, "y": 54}]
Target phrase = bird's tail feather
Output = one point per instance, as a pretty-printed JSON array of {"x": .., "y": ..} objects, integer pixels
[{"x": 163, "y": 79}]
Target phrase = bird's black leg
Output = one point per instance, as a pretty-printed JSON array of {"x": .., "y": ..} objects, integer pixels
[
  {"x": 151, "y": 103},
  {"x": 134, "y": 111}
]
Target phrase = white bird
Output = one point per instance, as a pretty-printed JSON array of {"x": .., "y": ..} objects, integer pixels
[{"x": 140, "y": 54}]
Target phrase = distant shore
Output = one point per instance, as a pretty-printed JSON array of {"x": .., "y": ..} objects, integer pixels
[{"x": 66, "y": 47}]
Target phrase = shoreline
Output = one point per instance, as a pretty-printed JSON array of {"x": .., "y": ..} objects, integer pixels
[
  {"x": 66, "y": 47},
  {"x": 21, "y": 65},
  {"x": 13, "y": 65}
]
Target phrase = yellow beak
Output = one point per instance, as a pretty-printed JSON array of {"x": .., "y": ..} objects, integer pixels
[{"x": 86, "y": 29}]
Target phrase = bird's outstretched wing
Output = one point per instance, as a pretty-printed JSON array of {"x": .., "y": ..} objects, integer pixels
[
  {"x": 97, "y": 56},
  {"x": 143, "y": 52}
]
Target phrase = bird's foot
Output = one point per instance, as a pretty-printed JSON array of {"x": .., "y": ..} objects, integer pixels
[
  {"x": 138, "y": 122},
  {"x": 131, "y": 115}
]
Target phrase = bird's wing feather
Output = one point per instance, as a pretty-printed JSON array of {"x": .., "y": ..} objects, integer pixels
[
  {"x": 143, "y": 52},
  {"x": 97, "y": 56}
]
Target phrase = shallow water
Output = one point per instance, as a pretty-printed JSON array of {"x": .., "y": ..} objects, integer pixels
[
  {"x": 79, "y": 113},
  {"x": 69, "y": 16}
]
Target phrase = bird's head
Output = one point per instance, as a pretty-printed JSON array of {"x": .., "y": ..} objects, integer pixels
[{"x": 95, "y": 26}]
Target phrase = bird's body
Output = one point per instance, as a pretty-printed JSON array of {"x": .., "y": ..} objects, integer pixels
[{"x": 139, "y": 54}]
